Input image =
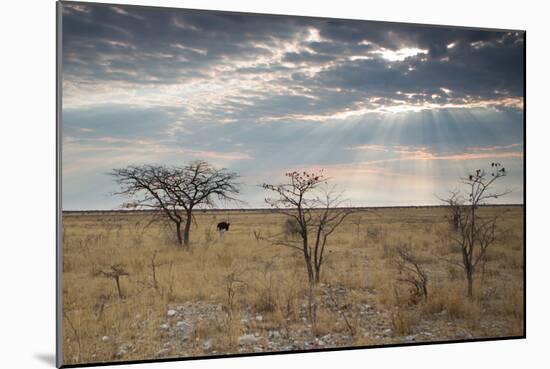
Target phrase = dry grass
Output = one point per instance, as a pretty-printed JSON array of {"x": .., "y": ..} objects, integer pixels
[{"x": 247, "y": 277}]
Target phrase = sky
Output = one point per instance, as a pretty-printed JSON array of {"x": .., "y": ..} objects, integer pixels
[{"x": 394, "y": 114}]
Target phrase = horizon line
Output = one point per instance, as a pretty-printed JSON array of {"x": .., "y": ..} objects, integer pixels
[{"x": 274, "y": 209}]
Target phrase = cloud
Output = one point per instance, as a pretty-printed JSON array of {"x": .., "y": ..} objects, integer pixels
[
  {"x": 258, "y": 91},
  {"x": 157, "y": 54}
]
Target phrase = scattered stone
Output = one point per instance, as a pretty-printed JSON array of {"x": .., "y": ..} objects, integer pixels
[
  {"x": 164, "y": 326},
  {"x": 247, "y": 339},
  {"x": 410, "y": 338},
  {"x": 184, "y": 329},
  {"x": 105, "y": 338},
  {"x": 171, "y": 313},
  {"x": 259, "y": 318},
  {"x": 207, "y": 345},
  {"x": 162, "y": 352},
  {"x": 182, "y": 325},
  {"x": 273, "y": 335},
  {"x": 120, "y": 353}
]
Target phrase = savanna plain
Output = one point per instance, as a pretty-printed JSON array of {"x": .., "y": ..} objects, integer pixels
[{"x": 131, "y": 293}]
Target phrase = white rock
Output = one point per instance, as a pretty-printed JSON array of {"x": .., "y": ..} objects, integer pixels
[
  {"x": 207, "y": 345},
  {"x": 162, "y": 352},
  {"x": 164, "y": 326},
  {"x": 182, "y": 325},
  {"x": 410, "y": 338},
  {"x": 105, "y": 338},
  {"x": 259, "y": 318},
  {"x": 171, "y": 313},
  {"x": 247, "y": 339}
]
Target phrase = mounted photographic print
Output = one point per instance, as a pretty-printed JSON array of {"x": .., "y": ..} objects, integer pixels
[{"x": 244, "y": 184}]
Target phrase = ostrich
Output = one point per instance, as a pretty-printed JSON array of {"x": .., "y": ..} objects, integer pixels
[{"x": 222, "y": 228}]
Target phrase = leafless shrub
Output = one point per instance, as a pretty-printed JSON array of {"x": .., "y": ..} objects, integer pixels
[
  {"x": 208, "y": 235},
  {"x": 266, "y": 289},
  {"x": 374, "y": 233},
  {"x": 99, "y": 307},
  {"x": 154, "y": 264},
  {"x": 403, "y": 321},
  {"x": 115, "y": 272},
  {"x": 233, "y": 282},
  {"x": 291, "y": 228},
  {"x": 412, "y": 273},
  {"x": 351, "y": 327}
]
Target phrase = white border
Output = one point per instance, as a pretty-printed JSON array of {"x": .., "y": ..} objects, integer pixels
[{"x": 28, "y": 182}]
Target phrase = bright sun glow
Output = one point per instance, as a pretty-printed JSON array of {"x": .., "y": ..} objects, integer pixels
[{"x": 401, "y": 54}]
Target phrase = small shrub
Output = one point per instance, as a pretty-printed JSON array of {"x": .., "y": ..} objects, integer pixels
[
  {"x": 403, "y": 321},
  {"x": 291, "y": 228},
  {"x": 374, "y": 234},
  {"x": 208, "y": 235}
]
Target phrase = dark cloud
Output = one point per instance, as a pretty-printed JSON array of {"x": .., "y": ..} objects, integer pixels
[{"x": 155, "y": 46}]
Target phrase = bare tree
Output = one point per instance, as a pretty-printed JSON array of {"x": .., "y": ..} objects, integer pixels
[
  {"x": 316, "y": 214},
  {"x": 475, "y": 233},
  {"x": 174, "y": 192}
]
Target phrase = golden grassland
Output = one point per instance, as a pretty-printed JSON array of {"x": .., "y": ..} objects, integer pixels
[{"x": 360, "y": 298}]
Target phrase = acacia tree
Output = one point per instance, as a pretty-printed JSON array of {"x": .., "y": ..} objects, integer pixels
[
  {"x": 174, "y": 192},
  {"x": 474, "y": 233},
  {"x": 316, "y": 214}
]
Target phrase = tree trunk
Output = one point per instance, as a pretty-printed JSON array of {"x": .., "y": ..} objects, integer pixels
[
  {"x": 178, "y": 233},
  {"x": 187, "y": 229},
  {"x": 118, "y": 287},
  {"x": 317, "y": 273},
  {"x": 310, "y": 270},
  {"x": 469, "y": 277}
]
